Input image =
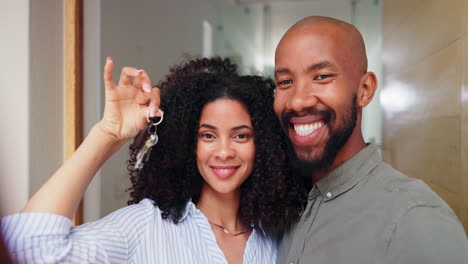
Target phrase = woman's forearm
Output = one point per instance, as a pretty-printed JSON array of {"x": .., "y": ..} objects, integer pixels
[{"x": 62, "y": 193}]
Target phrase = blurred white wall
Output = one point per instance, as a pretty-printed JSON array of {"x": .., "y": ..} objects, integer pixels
[
  {"x": 240, "y": 36},
  {"x": 92, "y": 96},
  {"x": 367, "y": 18},
  {"x": 31, "y": 136},
  {"x": 46, "y": 91},
  {"x": 14, "y": 109}
]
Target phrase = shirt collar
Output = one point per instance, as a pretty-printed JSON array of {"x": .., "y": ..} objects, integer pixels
[
  {"x": 348, "y": 174},
  {"x": 190, "y": 208}
]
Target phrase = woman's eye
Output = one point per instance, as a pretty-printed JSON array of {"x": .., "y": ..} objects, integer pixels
[
  {"x": 207, "y": 136},
  {"x": 285, "y": 82},
  {"x": 242, "y": 137}
]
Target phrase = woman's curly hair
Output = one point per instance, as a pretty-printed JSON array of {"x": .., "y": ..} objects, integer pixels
[{"x": 271, "y": 195}]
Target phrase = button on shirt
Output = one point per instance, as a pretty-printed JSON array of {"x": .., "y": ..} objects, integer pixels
[
  {"x": 364, "y": 211},
  {"x": 134, "y": 234}
]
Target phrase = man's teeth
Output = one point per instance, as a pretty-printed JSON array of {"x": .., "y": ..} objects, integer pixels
[{"x": 307, "y": 129}]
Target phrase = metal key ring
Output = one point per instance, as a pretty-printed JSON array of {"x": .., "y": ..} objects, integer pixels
[{"x": 160, "y": 120}]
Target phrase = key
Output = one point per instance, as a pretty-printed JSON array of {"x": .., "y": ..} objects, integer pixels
[{"x": 144, "y": 153}]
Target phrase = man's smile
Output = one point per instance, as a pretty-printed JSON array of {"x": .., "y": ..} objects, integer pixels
[{"x": 307, "y": 129}]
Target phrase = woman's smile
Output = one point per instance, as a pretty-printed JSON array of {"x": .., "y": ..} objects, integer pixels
[{"x": 224, "y": 172}]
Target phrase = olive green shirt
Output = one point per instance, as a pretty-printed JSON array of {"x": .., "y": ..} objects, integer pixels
[{"x": 364, "y": 211}]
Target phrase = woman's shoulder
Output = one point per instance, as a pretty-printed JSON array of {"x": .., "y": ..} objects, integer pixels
[
  {"x": 128, "y": 223},
  {"x": 145, "y": 211},
  {"x": 142, "y": 211}
]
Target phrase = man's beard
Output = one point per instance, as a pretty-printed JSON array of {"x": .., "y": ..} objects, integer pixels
[{"x": 304, "y": 161}]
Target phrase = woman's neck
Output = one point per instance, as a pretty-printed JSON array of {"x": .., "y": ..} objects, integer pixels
[{"x": 221, "y": 209}]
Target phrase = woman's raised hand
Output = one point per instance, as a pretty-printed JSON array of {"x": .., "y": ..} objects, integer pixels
[{"x": 128, "y": 103}]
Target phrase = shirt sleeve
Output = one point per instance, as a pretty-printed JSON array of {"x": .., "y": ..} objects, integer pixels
[
  {"x": 428, "y": 235},
  {"x": 49, "y": 238}
]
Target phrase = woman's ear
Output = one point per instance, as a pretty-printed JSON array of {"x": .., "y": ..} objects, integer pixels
[{"x": 367, "y": 88}]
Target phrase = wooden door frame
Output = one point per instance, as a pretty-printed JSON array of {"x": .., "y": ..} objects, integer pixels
[{"x": 73, "y": 61}]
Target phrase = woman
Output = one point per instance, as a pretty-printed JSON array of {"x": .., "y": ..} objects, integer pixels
[{"x": 213, "y": 184}]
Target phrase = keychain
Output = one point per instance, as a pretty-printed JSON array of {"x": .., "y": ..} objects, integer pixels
[{"x": 144, "y": 153}]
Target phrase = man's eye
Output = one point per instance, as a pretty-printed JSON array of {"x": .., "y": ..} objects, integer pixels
[
  {"x": 323, "y": 76},
  {"x": 284, "y": 82}
]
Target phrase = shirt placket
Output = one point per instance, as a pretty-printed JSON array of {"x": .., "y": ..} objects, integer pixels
[{"x": 306, "y": 222}]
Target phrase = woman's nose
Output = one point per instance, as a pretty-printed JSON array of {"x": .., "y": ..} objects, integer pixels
[{"x": 225, "y": 151}]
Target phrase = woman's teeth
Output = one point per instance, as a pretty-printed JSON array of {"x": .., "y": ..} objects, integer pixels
[{"x": 224, "y": 170}]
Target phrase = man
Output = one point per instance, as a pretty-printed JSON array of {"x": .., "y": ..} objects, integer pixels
[{"x": 359, "y": 209}]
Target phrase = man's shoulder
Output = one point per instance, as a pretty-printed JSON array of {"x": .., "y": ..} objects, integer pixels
[
  {"x": 407, "y": 196},
  {"x": 424, "y": 229},
  {"x": 397, "y": 185},
  {"x": 394, "y": 194},
  {"x": 417, "y": 217}
]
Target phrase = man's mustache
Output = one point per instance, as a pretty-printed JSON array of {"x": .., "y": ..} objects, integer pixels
[{"x": 327, "y": 114}]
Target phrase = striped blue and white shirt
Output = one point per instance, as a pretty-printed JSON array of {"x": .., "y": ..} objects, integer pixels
[{"x": 133, "y": 234}]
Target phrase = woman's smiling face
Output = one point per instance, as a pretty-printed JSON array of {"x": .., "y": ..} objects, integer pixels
[{"x": 225, "y": 145}]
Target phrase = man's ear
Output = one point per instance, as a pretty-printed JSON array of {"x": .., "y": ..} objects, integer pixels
[{"x": 367, "y": 88}]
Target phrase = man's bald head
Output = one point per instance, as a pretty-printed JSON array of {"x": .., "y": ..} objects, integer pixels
[{"x": 349, "y": 37}]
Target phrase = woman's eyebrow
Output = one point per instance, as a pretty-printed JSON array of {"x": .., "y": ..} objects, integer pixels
[
  {"x": 241, "y": 127},
  {"x": 207, "y": 126},
  {"x": 234, "y": 128}
]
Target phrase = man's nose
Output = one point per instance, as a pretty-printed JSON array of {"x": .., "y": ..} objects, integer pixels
[{"x": 302, "y": 97}]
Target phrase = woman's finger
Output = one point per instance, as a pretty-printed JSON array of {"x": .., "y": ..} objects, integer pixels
[
  {"x": 108, "y": 79},
  {"x": 142, "y": 98},
  {"x": 155, "y": 101},
  {"x": 146, "y": 82},
  {"x": 137, "y": 80},
  {"x": 126, "y": 75},
  {"x": 151, "y": 99}
]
